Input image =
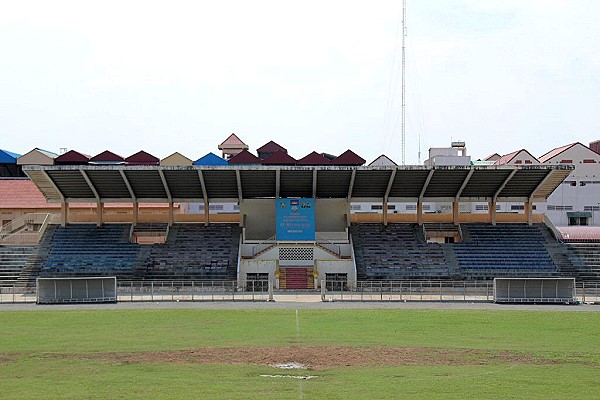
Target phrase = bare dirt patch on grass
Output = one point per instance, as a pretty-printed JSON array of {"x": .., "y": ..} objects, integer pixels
[{"x": 323, "y": 357}]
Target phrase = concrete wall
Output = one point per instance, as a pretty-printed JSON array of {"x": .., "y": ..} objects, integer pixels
[
  {"x": 580, "y": 191},
  {"x": 258, "y": 266},
  {"x": 524, "y": 158},
  {"x": 335, "y": 267},
  {"x": 35, "y": 157},
  {"x": 330, "y": 215},
  {"x": 259, "y": 217}
]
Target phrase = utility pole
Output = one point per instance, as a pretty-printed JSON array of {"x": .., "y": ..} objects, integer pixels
[{"x": 403, "y": 82}]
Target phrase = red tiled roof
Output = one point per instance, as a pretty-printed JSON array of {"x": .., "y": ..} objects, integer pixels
[
  {"x": 271, "y": 147},
  {"x": 349, "y": 158},
  {"x": 245, "y": 157},
  {"x": 23, "y": 194},
  {"x": 232, "y": 140},
  {"x": 507, "y": 158},
  {"x": 107, "y": 156},
  {"x": 142, "y": 158},
  {"x": 280, "y": 158},
  {"x": 491, "y": 157},
  {"x": 554, "y": 152},
  {"x": 314, "y": 158},
  {"x": 72, "y": 157}
]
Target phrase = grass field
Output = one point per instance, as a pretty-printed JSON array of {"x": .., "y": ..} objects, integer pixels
[{"x": 352, "y": 354}]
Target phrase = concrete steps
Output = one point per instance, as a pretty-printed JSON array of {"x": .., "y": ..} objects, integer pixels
[{"x": 296, "y": 278}]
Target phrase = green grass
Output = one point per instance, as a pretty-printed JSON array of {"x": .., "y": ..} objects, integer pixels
[{"x": 569, "y": 340}]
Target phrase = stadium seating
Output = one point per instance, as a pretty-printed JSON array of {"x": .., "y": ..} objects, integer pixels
[
  {"x": 586, "y": 260},
  {"x": 396, "y": 251},
  {"x": 87, "y": 250},
  {"x": 193, "y": 251},
  {"x": 505, "y": 250},
  {"x": 13, "y": 260}
]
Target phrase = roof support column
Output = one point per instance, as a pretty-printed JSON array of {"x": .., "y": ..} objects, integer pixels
[
  {"x": 205, "y": 196},
  {"x": 99, "y": 212},
  {"x": 455, "y": 203},
  {"x": 135, "y": 213},
  {"x": 455, "y": 212},
  {"x": 421, "y": 195},
  {"x": 492, "y": 212},
  {"x": 238, "y": 179},
  {"x": 528, "y": 206},
  {"x": 314, "y": 185},
  {"x": 385, "y": 213},
  {"x": 386, "y": 195},
  {"x": 420, "y": 212},
  {"x": 206, "y": 212},
  {"x": 171, "y": 214},
  {"x": 351, "y": 185},
  {"x": 133, "y": 197},
  {"x": 64, "y": 213}
]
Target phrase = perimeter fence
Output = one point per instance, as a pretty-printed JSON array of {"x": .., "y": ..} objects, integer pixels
[
  {"x": 259, "y": 290},
  {"x": 451, "y": 291},
  {"x": 156, "y": 291}
]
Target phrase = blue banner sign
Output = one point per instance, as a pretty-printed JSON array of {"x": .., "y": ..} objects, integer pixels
[{"x": 295, "y": 219}]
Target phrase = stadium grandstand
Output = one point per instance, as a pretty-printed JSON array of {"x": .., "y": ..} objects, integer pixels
[{"x": 294, "y": 222}]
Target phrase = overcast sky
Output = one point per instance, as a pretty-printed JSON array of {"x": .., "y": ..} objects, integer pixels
[{"x": 310, "y": 75}]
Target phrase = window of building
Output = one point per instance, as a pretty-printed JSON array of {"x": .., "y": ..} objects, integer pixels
[
  {"x": 578, "y": 221},
  {"x": 516, "y": 207},
  {"x": 589, "y": 161},
  {"x": 559, "y": 208},
  {"x": 566, "y": 161}
]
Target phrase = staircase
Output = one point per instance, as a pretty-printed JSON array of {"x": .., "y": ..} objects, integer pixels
[
  {"x": 13, "y": 260},
  {"x": 296, "y": 278},
  {"x": 586, "y": 260},
  {"x": 560, "y": 253},
  {"x": 34, "y": 264}
]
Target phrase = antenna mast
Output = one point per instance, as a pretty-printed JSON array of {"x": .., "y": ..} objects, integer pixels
[{"x": 403, "y": 82}]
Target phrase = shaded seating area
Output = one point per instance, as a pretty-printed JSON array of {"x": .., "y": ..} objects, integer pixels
[
  {"x": 396, "y": 251},
  {"x": 507, "y": 250},
  {"x": 87, "y": 250},
  {"x": 194, "y": 251}
]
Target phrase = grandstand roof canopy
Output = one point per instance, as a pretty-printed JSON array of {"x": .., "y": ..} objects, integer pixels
[{"x": 84, "y": 183}]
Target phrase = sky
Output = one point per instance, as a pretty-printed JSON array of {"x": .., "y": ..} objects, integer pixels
[{"x": 311, "y": 75}]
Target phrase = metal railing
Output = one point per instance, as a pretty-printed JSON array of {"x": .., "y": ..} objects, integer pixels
[
  {"x": 455, "y": 291},
  {"x": 176, "y": 291},
  {"x": 27, "y": 229},
  {"x": 330, "y": 246},
  {"x": 262, "y": 290},
  {"x": 194, "y": 291},
  {"x": 265, "y": 244}
]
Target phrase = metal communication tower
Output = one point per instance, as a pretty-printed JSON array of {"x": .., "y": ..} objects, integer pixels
[{"x": 403, "y": 82}]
